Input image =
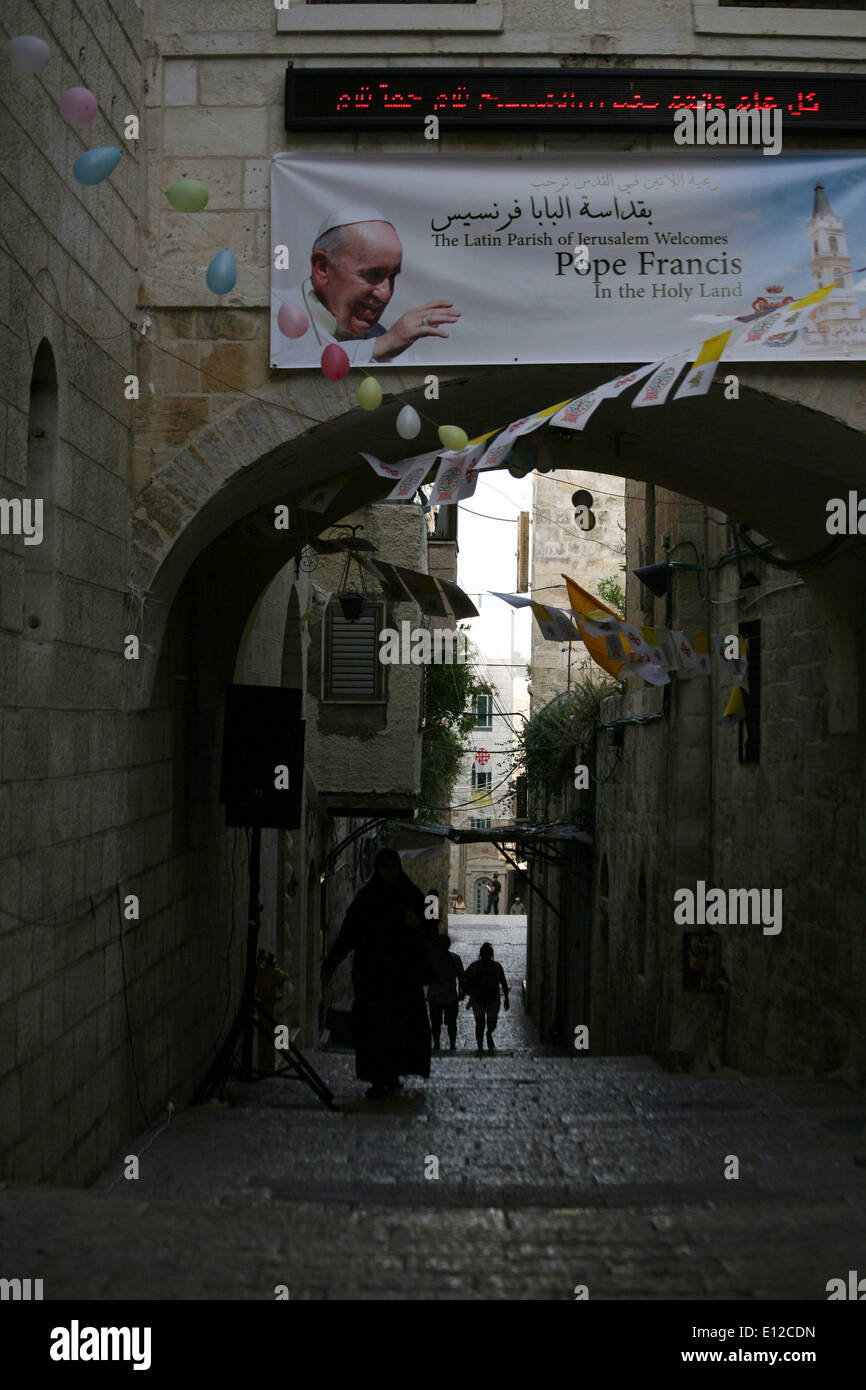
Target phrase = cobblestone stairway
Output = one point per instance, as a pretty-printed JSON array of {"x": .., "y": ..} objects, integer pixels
[{"x": 553, "y": 1171}]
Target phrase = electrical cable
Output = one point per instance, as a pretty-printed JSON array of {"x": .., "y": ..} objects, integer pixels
[
  {"x": 147, "y": 1118},
  {"x": 816, "y": 558}
]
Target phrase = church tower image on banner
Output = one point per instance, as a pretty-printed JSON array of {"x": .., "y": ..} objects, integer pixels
[{"x": 838, "y": 320}]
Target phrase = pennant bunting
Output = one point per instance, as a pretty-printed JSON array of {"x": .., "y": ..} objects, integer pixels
[
  {"x": 460, "y": 603},
  {"x": 425, "y": 591},
  {"x": 320, "y": 498},
  {"x": 621, "y": 383},
  {"x": 555, "y": 625},
  {"x": 735, "y": 667},
  {"x": 656, "y": 389},
  {"x": 457, "y": 476},
  {"x": 688, "y": 657},
  {"x": 412, "y": 479},
  {"x": 317, "y": 603},
  {"x": 516, "y": 600},
  {"x": 660, "y": 639},
  {"x": 576, "y": 414},
  {"x": 701, "y": 647},
  {"x": 582, "y": 602},
  {"x": 391, "y": 584},
  {"x": 393, "y": 470},
  {"x": 735, "y": 709},
  {"x": 495, "y": 452},
  {"x": 698, "y": 379}
]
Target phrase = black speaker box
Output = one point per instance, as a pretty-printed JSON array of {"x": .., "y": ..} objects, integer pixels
[{"x": 262, "y": 731}]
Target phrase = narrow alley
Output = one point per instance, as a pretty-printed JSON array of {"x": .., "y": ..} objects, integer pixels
[{"x": 553, "y": 1173}]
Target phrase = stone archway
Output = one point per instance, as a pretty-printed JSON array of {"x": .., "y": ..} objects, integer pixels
[{"x": 772, "y": 458}]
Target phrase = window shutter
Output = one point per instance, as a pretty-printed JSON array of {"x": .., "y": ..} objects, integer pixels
[{"x": 353, "y": 666}]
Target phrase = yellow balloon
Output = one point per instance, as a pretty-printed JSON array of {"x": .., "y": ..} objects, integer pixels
[
  {"x": 453, "y": 437},
  {"x": 369, "y": 393}
]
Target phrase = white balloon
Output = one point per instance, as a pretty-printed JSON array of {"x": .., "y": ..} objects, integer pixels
[
  {"x": 29, "y": 53},
  {"x": 408, "y": 423}
]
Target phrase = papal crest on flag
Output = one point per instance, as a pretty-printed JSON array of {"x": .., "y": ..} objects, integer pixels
[
  {"x": 660, "y": 643},
  {"x": 575, "y": 415},
  {"x": 457, "y": 476},
  {"x": 689, "y": 653},
  {"x": 698, "y": 378},
  {"x": 412, "y": 479},
  {"x": 621, "y": 383},
  {"x": 656, "y": 389},
  {"x": 496, "y": 452},
  {"x": 394, "y": 470}
]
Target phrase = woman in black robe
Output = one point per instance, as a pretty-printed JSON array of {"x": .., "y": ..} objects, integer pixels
[{"x": 387, "y": 930}]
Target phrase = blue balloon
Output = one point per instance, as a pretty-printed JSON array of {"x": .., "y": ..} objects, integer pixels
[
  {"x": 222, "y": 273},
  {"x": 95, "y": 165}
]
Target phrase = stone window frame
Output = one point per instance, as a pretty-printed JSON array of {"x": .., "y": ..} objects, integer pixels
[
  {"x": 710, "y": 17},
  {"x": 482, "y": 17}
]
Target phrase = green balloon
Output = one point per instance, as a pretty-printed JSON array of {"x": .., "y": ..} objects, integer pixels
[
  {"x": 187, "y": 195},
  {"x": 453, "y": 437},
  {"x": 369, "y": 393}
]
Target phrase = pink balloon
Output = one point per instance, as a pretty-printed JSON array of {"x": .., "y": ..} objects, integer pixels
[
  {"x": 292, "y": 321},
  {"x": 78, "y": 106},
  {"x": 335, "y": 363}
]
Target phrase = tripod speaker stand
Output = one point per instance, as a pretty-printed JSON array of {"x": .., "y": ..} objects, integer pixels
[{"x": 263, "y": 735}]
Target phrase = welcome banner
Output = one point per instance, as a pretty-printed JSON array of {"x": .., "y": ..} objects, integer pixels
[{"x": 433, "y": 260}]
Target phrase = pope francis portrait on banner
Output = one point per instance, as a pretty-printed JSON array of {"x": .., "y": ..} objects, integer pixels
[{"x": 354, "y": 263}]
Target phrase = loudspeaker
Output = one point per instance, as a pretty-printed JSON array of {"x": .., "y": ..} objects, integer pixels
[
  {"x": 263, "y": 734},
  {"x": 656, "y": 577}
]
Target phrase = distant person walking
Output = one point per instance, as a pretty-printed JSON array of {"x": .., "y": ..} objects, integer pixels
[
  {"x": 385, "y": 927},
  {"x": 446, "y": 990},
  {"x": 493, "y": 891},
  {"x": 484, "y": 979}
]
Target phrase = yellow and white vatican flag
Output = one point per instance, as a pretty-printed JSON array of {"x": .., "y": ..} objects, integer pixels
[
  {"x": 555, "y": 625},
  {"x": 647, "y": 658},
  {"x": 692, "y": 652},
  {"x": 661, "y": 646},
  {"x": 699, "y": 377},
  {"x": 656, "y": 389},
  {"x": 735, "y": 709},
  {"x": 583, "y": 604}
]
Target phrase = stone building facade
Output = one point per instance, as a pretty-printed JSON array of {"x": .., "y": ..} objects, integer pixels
[
  {"x": 559, "y": 545},
  {"x": 161, "y": 527}
]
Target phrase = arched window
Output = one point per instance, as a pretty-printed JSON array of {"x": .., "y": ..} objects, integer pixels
[
  {"x": 40, "y": 559},
  {"x": 834, "y": 246},
  {"x": 839, "y": 274}
]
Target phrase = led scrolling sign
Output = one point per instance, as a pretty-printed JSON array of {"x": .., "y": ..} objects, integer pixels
[{"x": 355, "y": 98}]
